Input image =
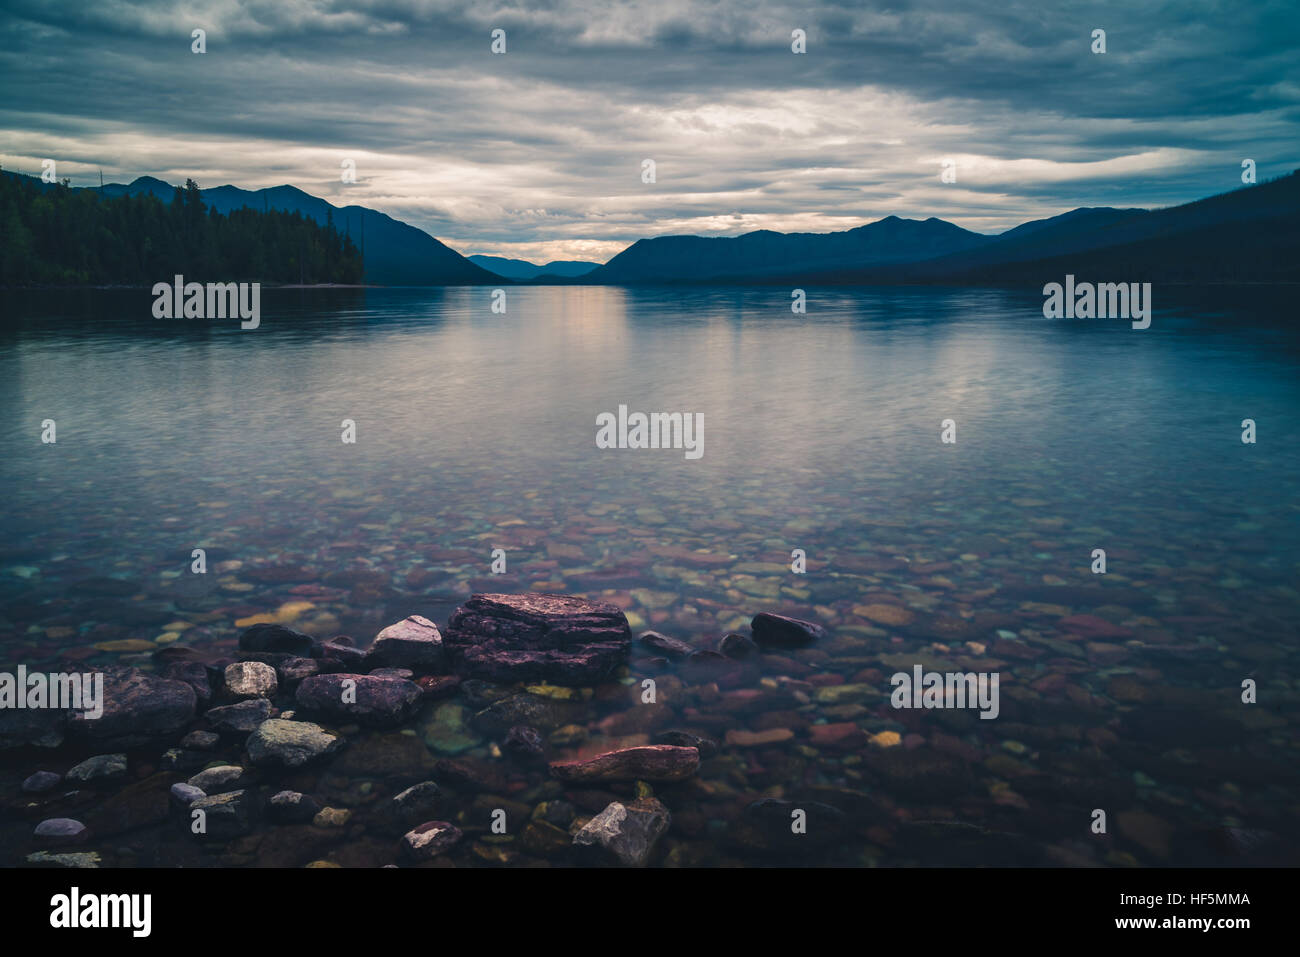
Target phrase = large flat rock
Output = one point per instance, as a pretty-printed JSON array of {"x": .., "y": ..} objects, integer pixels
[
  {"x": 537, "y": 637},
  {"x": 139, "y": 709}
]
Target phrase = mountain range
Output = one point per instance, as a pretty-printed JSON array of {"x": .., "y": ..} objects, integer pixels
[
  {"x": 766, "y": 253},
  {"x": 1250, "y": 233},
  {"x": 523, "y": 270}
]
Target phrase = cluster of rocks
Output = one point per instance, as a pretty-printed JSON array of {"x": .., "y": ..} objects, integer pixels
[
  {"x": 285, "y": 697},
  {"x": 422, "y": 739},
  {"x": 551, "y": 638}
]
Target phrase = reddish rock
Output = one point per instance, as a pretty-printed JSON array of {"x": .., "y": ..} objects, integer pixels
[
  {"x": 825, "y": 680},
  {"x": 738, "y": 737},
  {"x": 842, "y": 734},
  {"x": 742, "y": 699},
  {"x": 653, "y": 762}
]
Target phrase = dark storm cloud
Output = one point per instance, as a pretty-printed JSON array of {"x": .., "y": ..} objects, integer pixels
[{"x": 538, "y": 152}]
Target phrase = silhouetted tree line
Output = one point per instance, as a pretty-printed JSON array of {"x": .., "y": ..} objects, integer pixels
[{"x": 63, "y": 236}]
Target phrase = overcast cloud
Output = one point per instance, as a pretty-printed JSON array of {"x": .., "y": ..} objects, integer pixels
[{"x": 537, "y": 153}]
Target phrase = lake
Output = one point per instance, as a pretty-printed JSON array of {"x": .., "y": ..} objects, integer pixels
[{"x": 475, "y": 437}]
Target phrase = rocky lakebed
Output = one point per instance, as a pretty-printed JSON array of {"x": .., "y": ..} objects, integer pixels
[{"x": 535, "y": 730}]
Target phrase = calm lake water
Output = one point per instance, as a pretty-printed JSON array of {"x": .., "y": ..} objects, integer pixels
[{"x": 822, "y": 432}]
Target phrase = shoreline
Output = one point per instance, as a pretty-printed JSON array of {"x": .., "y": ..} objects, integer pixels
[{"x": 669, "y": 284}]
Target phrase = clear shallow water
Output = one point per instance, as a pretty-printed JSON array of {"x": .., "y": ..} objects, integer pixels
[{"x": 822, "y": 432}]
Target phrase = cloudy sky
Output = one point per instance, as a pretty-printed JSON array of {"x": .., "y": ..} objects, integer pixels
[{"x": 537, "y": 153}]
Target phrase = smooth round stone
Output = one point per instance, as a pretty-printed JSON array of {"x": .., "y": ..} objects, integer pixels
[
  {"x": 224, "y": 777},
  {"x": 186, "y": 794},
  {"x": 61, "y": 831},
  {"x": 41, "y": 781}
]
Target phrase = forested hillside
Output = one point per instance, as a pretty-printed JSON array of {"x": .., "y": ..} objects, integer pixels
[{"x": 56, "y": 235}]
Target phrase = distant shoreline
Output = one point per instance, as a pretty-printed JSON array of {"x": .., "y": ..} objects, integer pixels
[{"x": 686, "y": 284}]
